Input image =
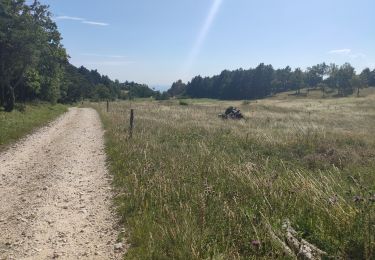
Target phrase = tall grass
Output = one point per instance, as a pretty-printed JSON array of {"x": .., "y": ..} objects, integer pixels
[
  {"x": 192, "y": 186},
  {"x": 18, "y": 123}
]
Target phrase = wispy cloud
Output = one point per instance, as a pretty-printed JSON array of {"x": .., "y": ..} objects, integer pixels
[
  {"x": 80, "y": 19},
  {"x": 357, "y": 55},
  {"x": 95, "y": 23},
  {"x": 340, "y": 51},
  {"x": 65, "y": 17},
  {"x": 107, "y": 63},
  {"x": 348, "y": 53},
  {"x": 104, "y": 56}
]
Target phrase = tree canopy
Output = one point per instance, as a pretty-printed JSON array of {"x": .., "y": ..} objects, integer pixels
[
  {"x": 264, "y": 81},
  {"x": 34, "y": 64}
]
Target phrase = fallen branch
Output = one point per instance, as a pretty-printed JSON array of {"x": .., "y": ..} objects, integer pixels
[
  {"x": 302, "y": 248},
  {"x": 292, "y": 245}
]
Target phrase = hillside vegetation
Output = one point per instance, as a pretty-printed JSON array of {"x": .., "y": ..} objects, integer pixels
[
  {"x": 193, "y": 186},
  {"x": 34, "y": 64},
  {"x": 264, "y": 81}
]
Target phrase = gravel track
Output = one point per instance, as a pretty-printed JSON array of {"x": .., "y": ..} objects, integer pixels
[{"x": 55, "y": 193}]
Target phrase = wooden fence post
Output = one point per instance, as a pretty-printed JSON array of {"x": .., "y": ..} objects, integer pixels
[
  {"x": 107, "y": 106},
  {"x": 131, "y": 123}
]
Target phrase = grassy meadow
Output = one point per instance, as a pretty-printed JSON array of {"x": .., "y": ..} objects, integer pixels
[
  {"x": 192, "y": 186},
  {"x": 26, "y": 118}
]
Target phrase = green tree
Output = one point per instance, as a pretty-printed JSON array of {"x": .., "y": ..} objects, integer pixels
[
  {"x": 27, "y": 34},
  {"x": 365, "y": 76},
  {"x": 102, "y": 92},
  {"x": 297, "y": 80},
  {"x": 177, "y": 89},
  {"x": 344, "y": 78},
  {"x": 357, "y": 83},
  {"x": 315, "y": 75}
]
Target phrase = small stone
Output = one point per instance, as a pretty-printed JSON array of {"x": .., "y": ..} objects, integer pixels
[
  {"x": 255, "y": 243},
  {"x": 119, "y": 246},
  {"x": 44, "y": 188},
  {"x": 22, "y": 219},
  {"x": 357, "y": 199}
]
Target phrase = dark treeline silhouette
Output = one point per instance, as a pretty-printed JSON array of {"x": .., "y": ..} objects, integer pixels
[
  {"x": 131, "y": 90},
  {"x": 264, "y": 81},
  {"x": 34, "y": 64}
]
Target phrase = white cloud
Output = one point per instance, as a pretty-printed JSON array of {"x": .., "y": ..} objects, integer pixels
[
  {"x": 64, "y": 17},
  {"x": 79, "y": 19},
  {"x": 95, "y": 23},
  {"x": 104, "y": 56},
  {"x": 348, "y": 53},
  {"x": 357, "y": 55},
  {"x": 340, "y": 51},
  {"x": 107, "y": 63}
]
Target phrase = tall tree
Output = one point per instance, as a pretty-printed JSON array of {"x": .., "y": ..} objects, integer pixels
[
  {"x": 315, "y": 75},
  {"x": 344, "y": 77},
  {"x": 297, "y": 80},
  {"x": 27, "y": 34},
  {"x": 178, "y": 88}
]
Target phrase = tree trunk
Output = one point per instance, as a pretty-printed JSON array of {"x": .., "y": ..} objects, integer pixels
[
  {"x": 2, "y": 92},
  {"x": 2, "y": 83},
  {"x": 10, "y": 98}
]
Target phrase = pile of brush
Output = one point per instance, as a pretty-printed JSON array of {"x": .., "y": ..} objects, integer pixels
[{"x": 231, "y": 113}]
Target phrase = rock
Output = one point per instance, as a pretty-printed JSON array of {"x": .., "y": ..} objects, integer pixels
[
  {"x": 119, "y": 246},
  {"x": 22, "y": 219}
]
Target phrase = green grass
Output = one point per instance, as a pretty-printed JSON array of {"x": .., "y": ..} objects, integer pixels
[
  {"x": 17, "y": 124},
  {"x": 193, "y": 186}
]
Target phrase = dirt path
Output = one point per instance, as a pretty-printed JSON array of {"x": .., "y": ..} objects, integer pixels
[{"x": 55, "y": 193}]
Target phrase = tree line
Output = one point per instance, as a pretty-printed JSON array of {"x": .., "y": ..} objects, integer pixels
[
  {"x": 264, "y": 81},
  {"x": 34, "y": 64}
]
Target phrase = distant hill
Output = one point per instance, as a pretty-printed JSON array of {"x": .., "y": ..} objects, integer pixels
[{"x": 264, "y": 81}]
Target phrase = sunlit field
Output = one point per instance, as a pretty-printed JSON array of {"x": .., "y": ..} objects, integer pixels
[{"x": 192, "y": 186}]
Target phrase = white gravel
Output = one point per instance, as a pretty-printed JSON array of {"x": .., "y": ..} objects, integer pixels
[{"x": 55, "y": 193}]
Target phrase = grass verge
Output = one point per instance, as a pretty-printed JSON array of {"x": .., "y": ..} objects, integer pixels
[
  {"x": 16, "y": 124},
  {"x": 192, "y": 186}
]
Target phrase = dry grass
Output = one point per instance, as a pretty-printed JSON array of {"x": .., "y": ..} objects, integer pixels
[{"x": 192, "y": 186}]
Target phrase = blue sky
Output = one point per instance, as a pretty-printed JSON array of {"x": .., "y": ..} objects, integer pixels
[{"x": 158, "y": 42}]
